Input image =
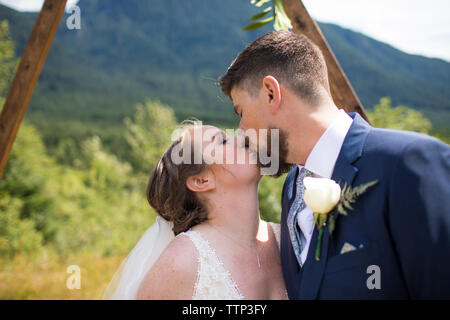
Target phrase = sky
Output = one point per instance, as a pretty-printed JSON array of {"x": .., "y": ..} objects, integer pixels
[
  {"x": 29, "y": 5},
  {"x": 414, "y": 26}
]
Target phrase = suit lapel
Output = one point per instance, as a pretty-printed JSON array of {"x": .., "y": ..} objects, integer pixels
[
  {"x": 290, "y": 266},
  {"x": 344, "y": 171}
]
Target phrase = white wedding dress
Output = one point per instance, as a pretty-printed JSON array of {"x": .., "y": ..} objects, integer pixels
[{"x": 214, "y": 282}]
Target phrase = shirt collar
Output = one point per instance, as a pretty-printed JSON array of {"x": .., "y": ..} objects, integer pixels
[{"x": 323, "y": 157}]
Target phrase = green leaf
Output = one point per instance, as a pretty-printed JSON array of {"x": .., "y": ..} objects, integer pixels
[
  {"x": 347, "y": 204},
  {"x": 259, "y": 3},
  {"x": 322, "y": 219},
  {"x": 282, "y": 21},
  {"x": 258, "y": 24},
  {"x": 261, "y": 14},
  {"x": 316, "y": 218},
  {"x": 341, "y": 209},
  {"x": 344, "y": 189},
  {"x": 331, "y": 223},
  {"x": 349, "y": 196},
  {"x": 363, "y": 188}
]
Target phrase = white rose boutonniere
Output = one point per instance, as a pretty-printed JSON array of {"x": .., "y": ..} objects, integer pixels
[{"x": 323, "y": 196}]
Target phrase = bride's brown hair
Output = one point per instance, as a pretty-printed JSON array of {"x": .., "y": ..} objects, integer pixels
[{"x": 168, "y": 194}]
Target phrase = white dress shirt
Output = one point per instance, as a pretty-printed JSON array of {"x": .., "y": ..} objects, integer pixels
[{"x": 321, "y": 162}]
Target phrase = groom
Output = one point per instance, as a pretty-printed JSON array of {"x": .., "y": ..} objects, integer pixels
[{"x": 395, "y": 243}]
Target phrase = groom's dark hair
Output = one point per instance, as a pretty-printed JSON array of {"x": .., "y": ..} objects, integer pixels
[{"x": 294, "y": 60}]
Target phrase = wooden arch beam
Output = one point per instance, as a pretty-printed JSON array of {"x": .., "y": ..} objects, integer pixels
[
  {"x": 27, "y": 74},
  {"x": 343, "y": 94}
]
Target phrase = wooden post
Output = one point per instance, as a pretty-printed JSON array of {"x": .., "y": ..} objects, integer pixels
[
  {"x": 27, "y": 74},
  {"x": 343, "y": 94}
]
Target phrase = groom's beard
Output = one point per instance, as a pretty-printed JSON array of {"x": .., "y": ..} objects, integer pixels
[{"x": 281, "y": 153}]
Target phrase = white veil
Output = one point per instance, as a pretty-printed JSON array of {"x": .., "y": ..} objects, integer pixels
[{"x": 127, "y": 279}]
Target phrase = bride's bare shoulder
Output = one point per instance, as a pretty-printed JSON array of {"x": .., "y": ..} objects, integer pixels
[
  {"x": 276, "y": 228},
  {"x": 174, "y": 274}
]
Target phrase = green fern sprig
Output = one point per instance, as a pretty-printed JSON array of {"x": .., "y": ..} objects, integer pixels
[{"x": 349, "y": 195}]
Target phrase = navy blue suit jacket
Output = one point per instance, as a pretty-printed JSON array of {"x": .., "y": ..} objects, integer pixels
[{"x": 401, "y": 225}]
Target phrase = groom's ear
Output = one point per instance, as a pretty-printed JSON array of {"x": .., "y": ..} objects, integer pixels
[
  {"x": 201, "y": 182},
  {"x": 272, "y": 92}
]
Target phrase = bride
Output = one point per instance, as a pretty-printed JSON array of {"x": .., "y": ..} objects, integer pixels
[{"x": 208, "y": 241}]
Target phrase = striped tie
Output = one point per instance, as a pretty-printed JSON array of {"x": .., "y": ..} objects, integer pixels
[{"x": 297, "y": 206}]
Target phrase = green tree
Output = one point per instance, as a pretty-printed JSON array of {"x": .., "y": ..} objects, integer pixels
[
  {"x": 105, "y": 172},
  {"x": 384, "y": 115},
  {"x": 17, "y": 235},
  {"x": 25, "y": 212},
  {"x": 7, "y": 59},
  {"x": 27, "y": 209},
  {"x": 442, "y": 133},
  {"x": 269, "y": 194},
  {"x": 148, "y": 133},
  {"x": 67, "y": 152}
]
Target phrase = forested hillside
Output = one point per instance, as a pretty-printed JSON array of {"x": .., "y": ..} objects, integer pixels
[{"x": 127, "y": 51}]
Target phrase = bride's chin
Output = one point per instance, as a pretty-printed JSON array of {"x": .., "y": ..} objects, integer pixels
[
  {"x": 258, "y": 175},
  {"x": 255, "y": 176}
]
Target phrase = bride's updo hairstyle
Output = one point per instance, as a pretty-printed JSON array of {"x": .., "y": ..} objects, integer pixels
[{"x": 167, "y": 192}]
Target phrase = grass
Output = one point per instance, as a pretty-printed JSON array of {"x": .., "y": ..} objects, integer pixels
[{"x": 44, "y": 277}]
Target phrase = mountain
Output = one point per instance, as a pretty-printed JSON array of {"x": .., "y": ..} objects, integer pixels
[
  {"x": 130, "y": 50},
  {"x": 376, "y": 69}
]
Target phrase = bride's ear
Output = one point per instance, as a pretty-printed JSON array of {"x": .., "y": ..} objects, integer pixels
[{"x": 201, "y": 182}]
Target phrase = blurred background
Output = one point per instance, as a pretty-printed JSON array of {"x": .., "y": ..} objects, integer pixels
[{"x": 111, "y": 93}]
